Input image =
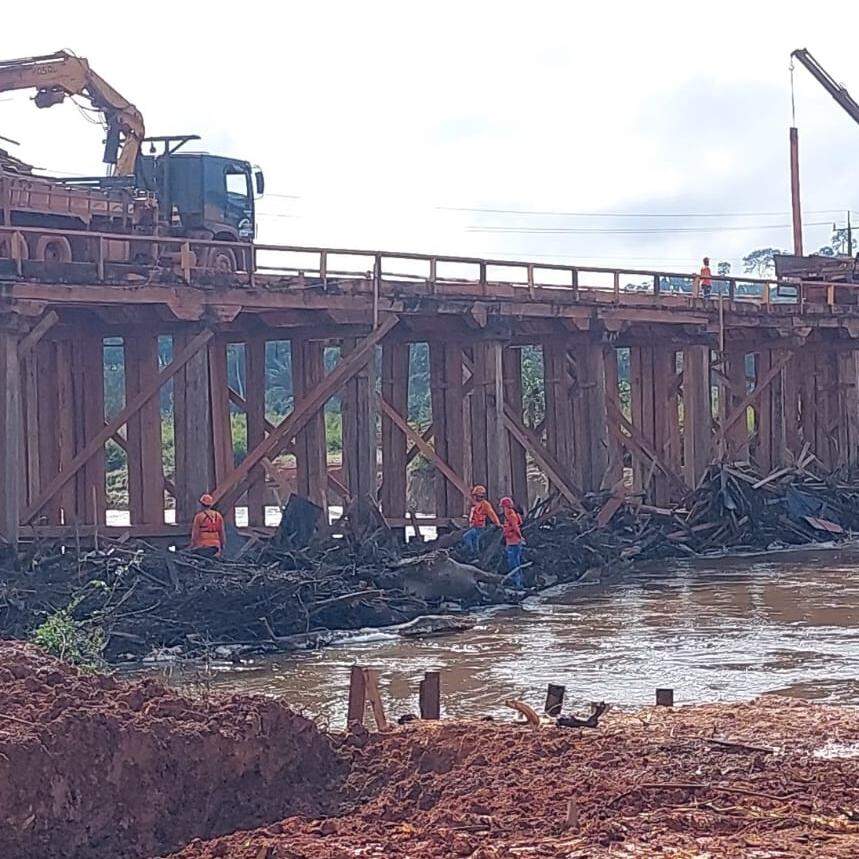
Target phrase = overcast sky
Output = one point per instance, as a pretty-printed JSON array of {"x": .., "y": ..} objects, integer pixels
[{"x": 379, "y": 125}]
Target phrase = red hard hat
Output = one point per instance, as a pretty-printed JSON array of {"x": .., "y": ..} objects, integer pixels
[
  {"x": 506, "y": 501},
  {"x": 206, "y": 500}
]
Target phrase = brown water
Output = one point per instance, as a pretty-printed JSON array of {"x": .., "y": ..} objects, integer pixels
[{"x": 719, "y": 630}]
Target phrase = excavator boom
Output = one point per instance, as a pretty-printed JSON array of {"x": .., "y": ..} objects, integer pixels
[
  {"x": 838, "y": 92},
  {"x": 55, "y": 76}
]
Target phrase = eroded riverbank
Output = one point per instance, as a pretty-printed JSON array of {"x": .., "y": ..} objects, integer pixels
[{"x": 93, "y": 766}]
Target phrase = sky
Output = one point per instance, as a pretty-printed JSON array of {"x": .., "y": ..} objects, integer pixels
[{"x": 612, "y": 134}]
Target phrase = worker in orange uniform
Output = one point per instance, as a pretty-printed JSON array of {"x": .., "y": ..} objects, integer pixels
[
  {"x": 481, "y": 510},
  {"x": 208, "y": 533},
  {"x": 706, "y": 278},
  {"x": 512, "y": 528}
]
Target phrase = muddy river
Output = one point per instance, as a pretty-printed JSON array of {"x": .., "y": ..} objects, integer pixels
[{"x": 719, "y": 630}]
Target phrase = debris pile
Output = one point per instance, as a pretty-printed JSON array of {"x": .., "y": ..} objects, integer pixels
[
  {"x": 92, "y": 767},
  {"x": 716, "y": 780},
  {"x": 298, "y": 589}
]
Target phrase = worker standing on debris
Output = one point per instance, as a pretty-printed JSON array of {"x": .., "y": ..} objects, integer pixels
[
  {"x": 208, "y": 533},
  {"x": 512, "y": 528},
  {"x": 481, "y": 510},
  {"x": 706, "y": 278}
]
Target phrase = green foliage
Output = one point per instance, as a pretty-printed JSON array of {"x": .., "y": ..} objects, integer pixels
[
  {"x": 760, "y": 262},
  {"x": 80, "y": 642}
]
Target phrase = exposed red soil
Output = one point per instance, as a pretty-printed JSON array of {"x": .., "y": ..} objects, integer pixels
[
  {"x": 649, "y": 784},
  {"x": 91, "y": 766}
]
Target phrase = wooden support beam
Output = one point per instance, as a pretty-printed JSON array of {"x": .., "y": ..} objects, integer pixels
[
  {"x": 360, "y": 466},
  {"x": 143, "y": 442},
  {"x": 10, "y": 434},
  {"x": 641, "y": 447},
  {"x": 614, "y": 469},
  {"x": 490, "y": 450},
  {"x": 357, "y": 696},
  {"x": 425, "y": 448},
  {"x": 448, "y": 414},
  {"x": 48, "y": 395},
  {"x": 304, "y": 410},
  {"x": 255, "y": 384},
  {"x": 311, "y": 449},
  {"x": 512, "y": 365},
  {"x": 697, "y": 413},
  {"x": 395, "y": 390},
  {"x": 88, "y": 355},
  {"x": 31, "y": 340},
  {"x": 131, "y": 408},
  {"x": 192, "y": 415},
  {"x": 222, "y": 432},
  {"x": 547, "y": 462},
  {"x": 752, "y": 397},
  {"x": 589, "y": 414},
  {"x": 31, "y": 474},
  {"x": 733, "y": 435},
  {"x": 429, "y": 695},
  {"x": 560, "y": 437}
]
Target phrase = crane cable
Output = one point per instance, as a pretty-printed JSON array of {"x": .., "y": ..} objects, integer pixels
[{"x": 792, "y": 96}]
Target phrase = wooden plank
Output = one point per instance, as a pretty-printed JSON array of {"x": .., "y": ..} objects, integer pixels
[
  {"x": 31, "y": 340},
  {"x": 89, "y": 392},
  {"x": 143, "y": 439},
  {"x": 733, "y": 436},
  {"x": 559, "y": 409},
  {"x": 10, "y": 435},
  {"x": 359, "y": 427},
  {"x": 490, "y": 450},
  {"x": 222, "y": 434},
  {"x": 697, "y": 413},
  {"x": 425, "y": 448},
  {"x": 131, "y": 408},
  {"x": 311, "y": 451},
  {"x": 752, "y": 397},
  {"x": 429, "y": 695},
  {"x": 512, "y": 366},
  {"x": 614, "y": 468},
  {"x": 65, "y": 430},
  {"x": 30, "y": 419},
  {"x": 255, "y": 385},
  {"x": 357, "y": 696},
  {"x": 371, "y": 685},
  {"x": 192, "y": 430},
  {"x": 448, "y": 414},
  {"x": 638, "y": 356},
  {"x": 309, "y": 405},
  {"x": 395, "y": 390},
  {"x": 590, "y": 413},
  {"x": 48, "y": 416}
]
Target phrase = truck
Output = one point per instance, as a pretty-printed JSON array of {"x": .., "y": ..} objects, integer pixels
[{"x": 169, "y": 192}]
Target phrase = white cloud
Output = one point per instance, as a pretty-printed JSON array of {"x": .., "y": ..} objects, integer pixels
[{"x": 378, "y": 113}]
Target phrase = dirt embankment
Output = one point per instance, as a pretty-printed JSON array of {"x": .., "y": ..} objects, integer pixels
[
  {"x": 651, "y": 784},
  {"x": 94, "y": 767}
]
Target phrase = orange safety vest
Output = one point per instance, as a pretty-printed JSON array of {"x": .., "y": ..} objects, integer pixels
[
  {"x": 480, "y": 512},
  {"x": 706, "y": 274},
  {"x": 512, "y": 527},
  {"x": 207, "y": 530}
]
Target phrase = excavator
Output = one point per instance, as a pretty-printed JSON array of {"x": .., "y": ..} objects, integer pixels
[{"x": 171, "y": 193}]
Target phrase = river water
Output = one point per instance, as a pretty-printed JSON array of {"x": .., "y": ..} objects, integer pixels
[{"x": 716, "y": 630}]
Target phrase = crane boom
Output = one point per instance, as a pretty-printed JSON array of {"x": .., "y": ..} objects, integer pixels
[
  {"x": 838, "y": 92},
  {"x": 55, "y": 76}
]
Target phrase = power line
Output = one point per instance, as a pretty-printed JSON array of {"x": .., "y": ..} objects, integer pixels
[
  {"x": 631, "y": 214},
  {"x": 629, "y": 230}
]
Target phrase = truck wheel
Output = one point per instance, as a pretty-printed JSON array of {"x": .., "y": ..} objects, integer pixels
[
  {"x": 221, "y": 259},
  {"x": 6, "y": 248},
  {"x": 54, "y": 249}
]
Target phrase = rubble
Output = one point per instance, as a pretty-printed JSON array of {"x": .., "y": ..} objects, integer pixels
[{"x": 298, "y": 589}]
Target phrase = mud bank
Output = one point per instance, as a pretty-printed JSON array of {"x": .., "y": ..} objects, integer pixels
[
  {"x": 94, "y": 767},
  {"x": 91, "y": 766},
  {"x": 654, "y": 783}
]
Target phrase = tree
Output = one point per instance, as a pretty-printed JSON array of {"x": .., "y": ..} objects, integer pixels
[
  {"x": 760, "y": 262},
  {"x": 838, "y": 244},
  {"x": 723, "y": 269}
]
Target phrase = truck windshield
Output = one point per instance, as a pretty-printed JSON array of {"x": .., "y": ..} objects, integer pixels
[{"x": 237, "y": 186}]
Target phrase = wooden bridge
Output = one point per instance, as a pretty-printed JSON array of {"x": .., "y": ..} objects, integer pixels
[{"x": 694, "y": 392}]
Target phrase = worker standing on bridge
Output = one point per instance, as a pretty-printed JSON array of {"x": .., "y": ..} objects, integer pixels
[
  {"x": 512, "y": 528},
  {"x": 481, "y": 510},
  {"x": 208, "y": 533},
  {"x": 706, "y": 277}
]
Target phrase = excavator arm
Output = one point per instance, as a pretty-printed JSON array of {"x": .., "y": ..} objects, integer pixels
[
  {"x": 55, "y": 76},
  {"x": 838, "y": 92}
]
